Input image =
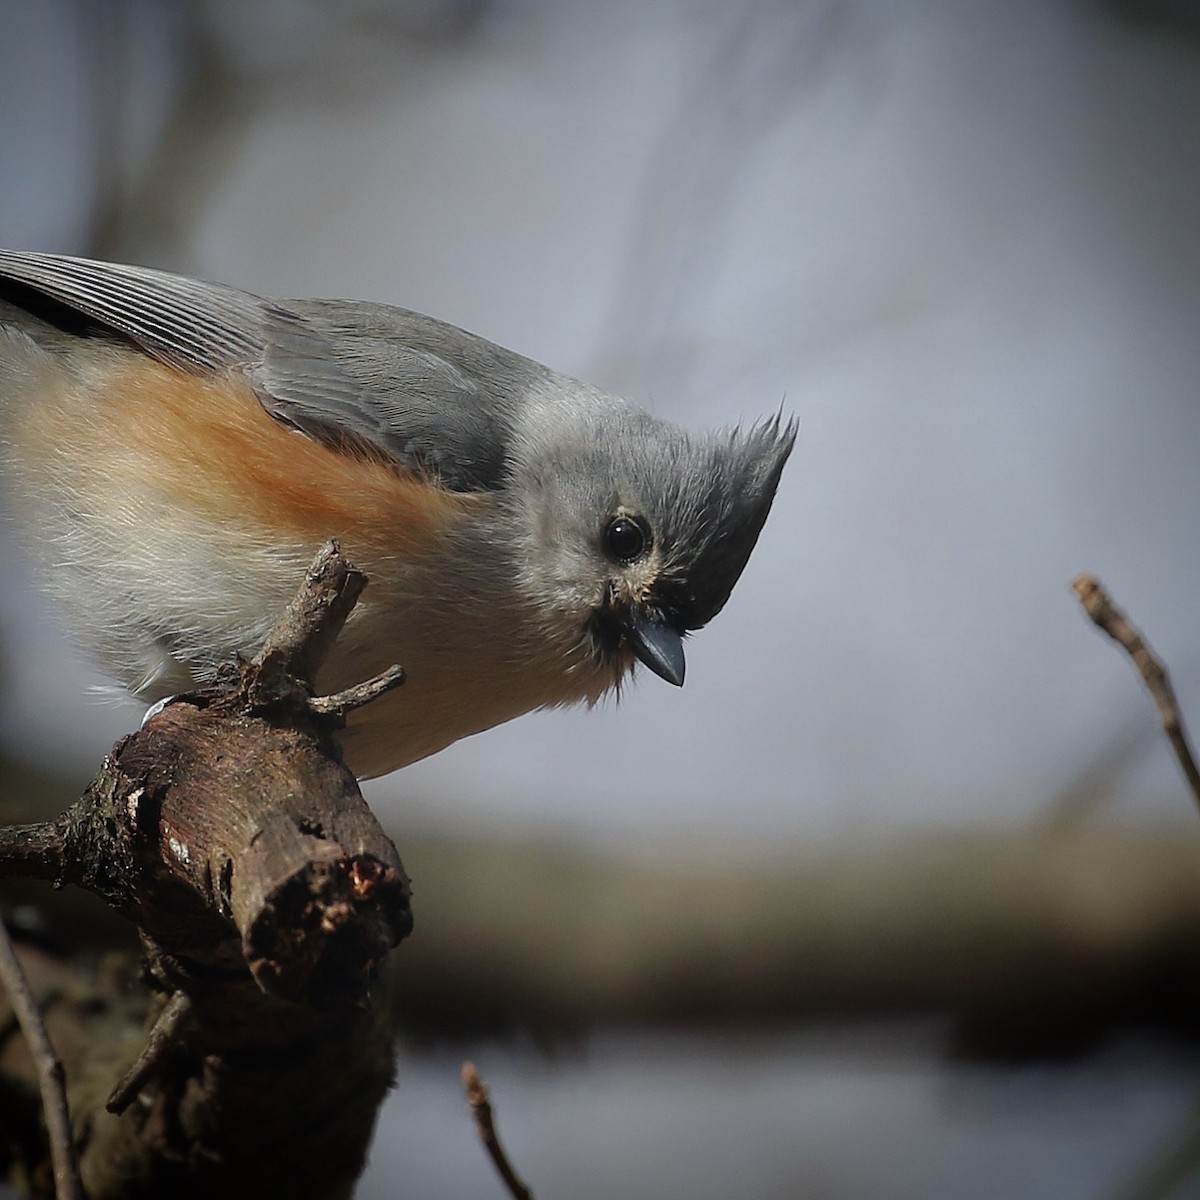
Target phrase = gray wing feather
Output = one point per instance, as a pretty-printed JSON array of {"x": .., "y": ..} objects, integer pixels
[
  {"x": 418, "y": 391},
  {"x": 183, "y": 322},
  {"x": 421, "y": 390}
]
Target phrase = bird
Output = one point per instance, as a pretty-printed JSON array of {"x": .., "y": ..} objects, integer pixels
[{"x": 175, "y": 451}]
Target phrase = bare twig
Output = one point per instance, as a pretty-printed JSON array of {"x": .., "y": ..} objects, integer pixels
[
  {"x": 158, "y": 1041},
  {"x": 340, "y": 703},
  {"x": 1099, "y": 606},
  {"x": 51, "y": 1079},
  {"x": 481, "y": 1109}
]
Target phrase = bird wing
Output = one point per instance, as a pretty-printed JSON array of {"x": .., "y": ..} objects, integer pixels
[{"x": 419, "y": 392}]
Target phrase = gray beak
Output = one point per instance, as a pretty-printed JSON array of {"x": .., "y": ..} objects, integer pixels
[{"x": 656, "y": 644}]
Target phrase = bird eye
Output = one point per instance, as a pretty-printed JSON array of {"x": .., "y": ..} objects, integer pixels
[{"x": 626, "y": 539}]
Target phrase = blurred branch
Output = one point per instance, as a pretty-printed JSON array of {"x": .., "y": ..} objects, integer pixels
[
  {"x": 1159, "y": 1177},
  {"x": 1027, "y": 935},
  {"x": 1016, "y": 931},
  {"x": 481, "y": 1109},
  {"x": 1099, "y": 607},
  {"x": 1174, "y": 18},
  {"x": 1094, "y": 785},
  {"x": 1032, "y": 939},
  {"x": 51, "y": 1080},
  {"x": 227, "y": 64}
]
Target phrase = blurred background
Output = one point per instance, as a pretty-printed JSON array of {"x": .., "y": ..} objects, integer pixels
[{"x": 898, "y": 896}]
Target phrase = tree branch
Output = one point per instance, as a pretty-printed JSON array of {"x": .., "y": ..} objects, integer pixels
[
  {"x": 1104, "y": 613},
  {"x": 153, "y": 1054},
  {"x": 481, "y": 1109},
  {"x": 51, "y": 1080},
  {"x": 31, "y": 851},
  {"x": 266, "y": 896}
]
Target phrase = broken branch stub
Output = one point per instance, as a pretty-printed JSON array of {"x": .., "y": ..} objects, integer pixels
[{"x": 233, "y": 807}]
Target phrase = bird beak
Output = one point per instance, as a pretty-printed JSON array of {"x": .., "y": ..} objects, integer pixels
[{"x": 656, "y": 644}]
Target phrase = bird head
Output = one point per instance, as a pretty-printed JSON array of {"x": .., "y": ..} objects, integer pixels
[{"x": 636, "y": 532}]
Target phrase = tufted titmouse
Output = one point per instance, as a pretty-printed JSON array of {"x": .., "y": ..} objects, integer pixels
[{"x": 178, "y": 450}]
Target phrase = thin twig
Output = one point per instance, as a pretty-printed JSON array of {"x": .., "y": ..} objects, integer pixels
[
  {"x": 481, "y": 1109},
  {"x": 51, "y": 1079},
  {"x": 158, "y": 1041},
  {"x": 1099, "y": 606},
  {"x": 338, "y": 704}
]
